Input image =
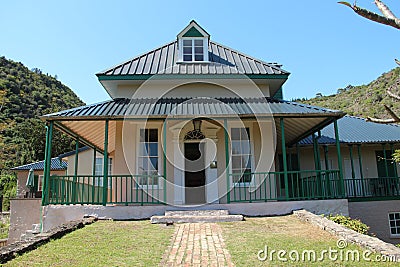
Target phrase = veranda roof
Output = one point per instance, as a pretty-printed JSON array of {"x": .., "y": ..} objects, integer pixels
[
  {"x": 87, "y": 122},
  {"x": 355, "y": 130},
  {"x": 56, "y": 164}
]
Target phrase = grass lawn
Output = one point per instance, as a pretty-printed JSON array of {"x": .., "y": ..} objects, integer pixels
[
  {"x": 245, "y": 239},
  {"x": 104, "y": 243}
]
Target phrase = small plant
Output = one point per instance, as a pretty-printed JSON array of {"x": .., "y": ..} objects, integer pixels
[
  {"x": 398, "y": 245},
  {"x": 4, "y": 225},
  {"x": 353, "y": 224}
]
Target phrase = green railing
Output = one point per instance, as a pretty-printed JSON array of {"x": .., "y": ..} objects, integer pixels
[
  {"x": 121, "y": 189},
  {"x": 270, "y": 186},
  {"x": 372, "y": 187}
]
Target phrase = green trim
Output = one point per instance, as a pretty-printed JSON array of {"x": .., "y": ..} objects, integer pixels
[
  {"x": 339, "y": 157},
  {"x": 278, "y": 94},
  {"x": 284, "y": 159},
  {"x": 385, "y": 160},
  {"x": 47, "y": 164},
  {"x": 228, "y": 185},
  {"x": 193, "y": 32},
  {"x": 165, "y": 159},
  {"x": 361, "y": 168},
  {"x": 143, "y": 77},
  {"x": 105, "y": 164},
  {"x": 353, "y": 173},
  {"x": 74, "y": 184},
  {"x": 394, "y": 164}
]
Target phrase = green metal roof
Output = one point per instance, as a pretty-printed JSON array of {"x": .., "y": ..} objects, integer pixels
[{"x": 353, "y": 130}]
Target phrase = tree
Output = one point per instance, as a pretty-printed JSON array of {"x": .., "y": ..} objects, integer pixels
[{"x": 387, "y": 18}]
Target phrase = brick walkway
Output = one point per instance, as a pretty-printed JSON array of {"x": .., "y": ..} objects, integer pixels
[{"x": 197, "y": 244}]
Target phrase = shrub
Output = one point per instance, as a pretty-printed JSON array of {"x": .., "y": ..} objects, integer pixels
[{"x": 353, "y": 224}]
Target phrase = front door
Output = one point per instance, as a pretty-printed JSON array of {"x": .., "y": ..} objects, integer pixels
[{"x": 194, "y": 173}]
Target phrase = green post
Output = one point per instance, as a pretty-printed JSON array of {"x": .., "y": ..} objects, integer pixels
[
  {"x": 385, "y": 160},
  {"x": 328, "y": 182},
  {"x": 361, "y": 168},
  {"x": 74, "y": 181},
  {"x": 339, "y": 156},
  {"x": 105, "y": 164},
  {"x": 394, "y": 162},
  {"x": 47, "y": 164},
  {"x": 285, "y": 170},
  {"x": 317, "y": 165},
  {"x": 228, "y": 186},
  {"x": 165, "y": 159},
  {"x": 353, "y": 174},
  {"x": 94, "y": 174}
]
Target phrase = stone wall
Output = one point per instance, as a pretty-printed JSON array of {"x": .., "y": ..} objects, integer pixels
[
  {"x": 54, "y": 215},
  {"x": 368, "y": 242},
  {"x": 375, "y": 215},
  {"x": 23, "y": 214}
]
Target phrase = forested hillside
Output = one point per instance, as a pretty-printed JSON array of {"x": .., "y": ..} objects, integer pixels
[
  {"x": 24, "y": 96},
  {"x": 364, "y": 100}
]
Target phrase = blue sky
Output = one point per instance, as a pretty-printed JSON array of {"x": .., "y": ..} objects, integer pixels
[{"x": 324, "y": 45}]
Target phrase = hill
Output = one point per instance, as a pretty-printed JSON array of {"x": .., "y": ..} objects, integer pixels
[
  {"x": 24, "y": 96},
  {"x": 364, "y": 100}
]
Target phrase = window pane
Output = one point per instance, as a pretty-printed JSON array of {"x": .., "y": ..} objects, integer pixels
[
  {"x": 393, "y": 231},
  {"x": 245, "y": 147},
  {"x": 187, "y": 42},
  {"x": 187, "y": 57},
  {"x": 153, "y": 163},
  {"x": 236, "y": 162},
  {"x": 187, "y": 50},
  {"x": 198, "y": 57},
  {"x": 236, "y": 147},
  {"x": 397, "y": 216},
  {"x": 235, "y": 132},
  {"x": 245, "y": 135},
  {"x": 153, "y": 149},
  {"x": 391, "y": 216},
  {"x": 142, "y": 135},
  {"x": 198, "y": 43},
  {"x": 153, "y": 135},
  {"x": 197, "y": 50}
]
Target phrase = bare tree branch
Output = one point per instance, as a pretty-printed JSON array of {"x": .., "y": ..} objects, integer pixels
[
  {"x": 392, "y": 114},
  {"x": 385, "y": 9},
  {"x": 374, "y": 16},
  {"x": 383, "y": 121},
  {"x": 393, "y": 95},
  {"x": 397, "y": 61}
]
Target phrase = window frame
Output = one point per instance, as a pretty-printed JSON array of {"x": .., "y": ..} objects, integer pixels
[
  {"x": 193, "y": 39},
  {"x": 397, "y": 224},
  {"x": 98, "y": 181},
  {"x": 251, "y": 154},
  {"x": 138, "y": 157}
]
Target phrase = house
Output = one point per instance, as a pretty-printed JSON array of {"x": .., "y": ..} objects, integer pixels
[
  {"x": 57, "y": 167},
  {"x": 196, "y": 124}
]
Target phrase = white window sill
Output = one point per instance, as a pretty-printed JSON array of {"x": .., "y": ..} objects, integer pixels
[
  {"x": 395, "y": 236},
  {"x": 191, "y": 62}
]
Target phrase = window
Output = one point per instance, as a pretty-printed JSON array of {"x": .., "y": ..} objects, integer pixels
[
  {"x": 394, "y": 224},
  {"x": 193, "y": 49},
  {"x": 241, "y": 155},
  {"x": 99, "y": 171},
  {"x": 40, "y": 182},
  {"x": 148, "y": 157},
  {"x": 99, "y": 166},
  {"x": 384, "y": 164}
]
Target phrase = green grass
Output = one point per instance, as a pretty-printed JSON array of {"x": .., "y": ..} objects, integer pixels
[
  {"x": 245, "y": 239},
  {"x": 104, "y": 243}
]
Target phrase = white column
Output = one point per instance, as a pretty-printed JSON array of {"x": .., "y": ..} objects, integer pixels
[
  {"x": 211, "y": 173},
  {"x": 179, "y": 171}
]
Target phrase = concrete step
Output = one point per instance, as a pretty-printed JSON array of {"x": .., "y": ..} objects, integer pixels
[
  {"x": 195, "y": 219},
  {"x": 36, "y": 228},
  {"x": 196, "y": 212}
]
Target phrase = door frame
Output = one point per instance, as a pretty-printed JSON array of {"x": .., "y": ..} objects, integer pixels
[{"x": 184, "y": 171}]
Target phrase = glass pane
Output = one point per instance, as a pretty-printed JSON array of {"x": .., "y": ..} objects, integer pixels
[
  {"x": 187, "y": 57},
  {"x": 197, "y": 50},
  {"x": 245, "y": 135},
  {"x": 154, "y": 163},
  {"x": 235, "y": 134},
  {"x": 187, "y": 50},
  {"x": 198, "y": 57},
  {"x": 198, "y": 43},
  {"x": 391, "y": 216},
  {"x": 153, "y": 149},
  {"x": 153, "y": 135},
  {"x": 245, "y": 147},
  {"x": 397, "y": 216},
  {"x": 187, "y": 42},
  {"x": 236, "y": 162},
  {"x": 236, "y": 147},
  {"x": 392, "y": 224},
  {"x": 393, "y": 231}
]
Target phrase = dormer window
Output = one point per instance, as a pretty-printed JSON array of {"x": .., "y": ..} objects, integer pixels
[
  {"x": 193, "y": 49},
  {"x": 193, "y": 44}
]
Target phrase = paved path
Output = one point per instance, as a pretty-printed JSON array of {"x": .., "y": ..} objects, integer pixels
[{"x": 197, "y": 244}]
